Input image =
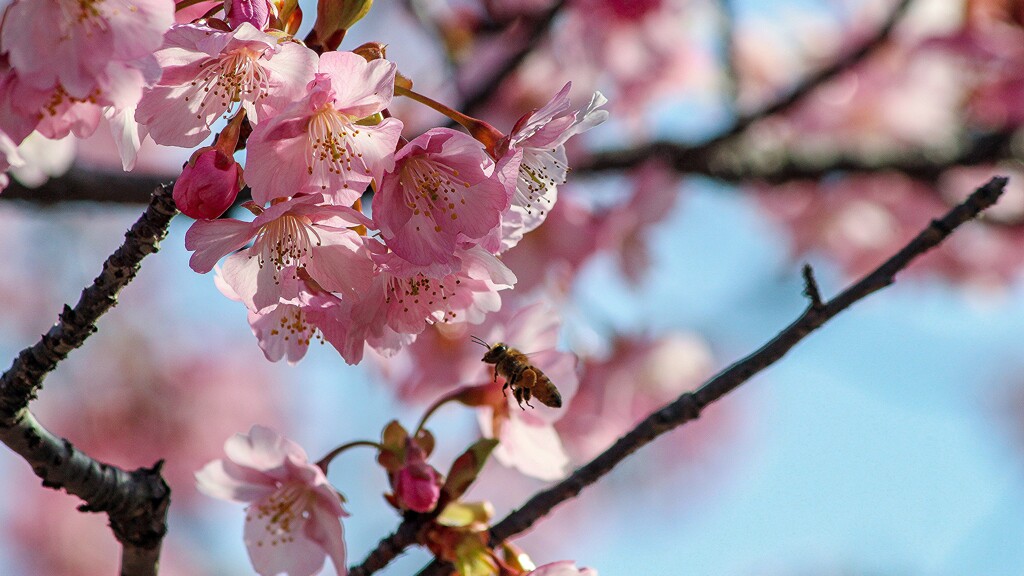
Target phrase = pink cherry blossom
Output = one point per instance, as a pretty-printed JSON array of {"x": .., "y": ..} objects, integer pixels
[
  {"x": 293, "y": 519},
  {"x": 315, "y": 145},
  {"x": 301, "y": 232},
  {"x": 305, "y": 314},
  {"x": 408, "y": 298},
  {"x": 82, "y": 46},
  {"x": 444, "y": 188},
  {"x": 207, "y": 72},
  {"x": 541, "y": 136}
]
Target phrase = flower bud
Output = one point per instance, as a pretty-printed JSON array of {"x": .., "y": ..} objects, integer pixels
[
  {"x": 417, "y": 485},
  {"x": 208, "y": 185},
  {"x": 255, "y": 12}
]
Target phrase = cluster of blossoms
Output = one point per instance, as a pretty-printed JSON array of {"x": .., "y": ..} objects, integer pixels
[
  {"x": 315, "y": 262},
  {"x": 313, "y": 265}
]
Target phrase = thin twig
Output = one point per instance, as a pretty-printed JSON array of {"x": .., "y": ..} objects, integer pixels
[
  {"x": 537, "y": 28},
  {"x": 677, "y": 154},
  {"x": 136, "y": 502},
  {"x": 727, "y": 44},
  {"x": 689, "y": 406}
]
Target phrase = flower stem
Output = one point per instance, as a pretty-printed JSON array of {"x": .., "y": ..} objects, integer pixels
[
  {"x": 326, "y": 460},
  {"x": 488, "y": 135}
]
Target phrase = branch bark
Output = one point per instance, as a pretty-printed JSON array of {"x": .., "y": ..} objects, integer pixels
[
  {"x": 136, "y": 502},
  {"x": 689, "y": 406}
]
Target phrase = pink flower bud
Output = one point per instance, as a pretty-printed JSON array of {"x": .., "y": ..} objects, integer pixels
[
  {"x": 417, "y": 485},
  {"x": 208, "y": 185},
  {"x": 255, "y": 12}
]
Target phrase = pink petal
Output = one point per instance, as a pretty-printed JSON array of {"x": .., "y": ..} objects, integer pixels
[{"x": 213, "y": 239}]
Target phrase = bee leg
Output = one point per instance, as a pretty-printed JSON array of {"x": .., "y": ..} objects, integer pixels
[
  {"x": 526, "y": 396},
  {"x": 519, "y": 393}
]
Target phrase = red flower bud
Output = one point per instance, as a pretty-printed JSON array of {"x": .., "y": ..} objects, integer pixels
[{"x": 208, "y": 185}]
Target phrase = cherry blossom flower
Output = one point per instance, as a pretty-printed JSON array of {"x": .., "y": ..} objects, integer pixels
[
  {"x": 306, "y": 313},
  {"x": 410, "y": 297},
  {"x": 562, "y": 568},
  {"x": 316, "y": 145},
  {"x": 444, "y": 188},
  {"x": 293, "y": 519},
  {"x": 640, "y": 375},
  {"x": 541, "y": 136},
  {"x": 301, "y": 232},
  {"x": 207, "y": 72}
]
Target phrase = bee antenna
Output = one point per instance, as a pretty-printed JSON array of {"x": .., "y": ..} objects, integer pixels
[{"x": 480, "y": 341}]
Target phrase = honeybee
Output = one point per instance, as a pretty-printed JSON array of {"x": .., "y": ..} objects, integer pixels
[{"x": 524, "y": 379}]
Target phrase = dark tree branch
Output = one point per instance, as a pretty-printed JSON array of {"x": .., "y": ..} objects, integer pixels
[
  {"x": 689, "y": 406},
  {"x": 89, "y": 184},
  {"x": 536, "y": 29},
  {"x": 676, "y": 154},
  {"x": 787, "y": 166},
  {"x": 136, "y": 502},
  {"x": 390, "y": 547}
]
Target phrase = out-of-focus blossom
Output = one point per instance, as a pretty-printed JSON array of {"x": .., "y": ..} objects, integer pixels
[
  {"x": 638, "y": 377},
  {"x": 316, "y": 145},
  {"x": 562, "y": 568},
  {"x": 444, "y": 188},
  {"x": 860, "y": 221},
  {"x": 71, "y": 63},
  {"x": 575, "y": 231},
  {"x": 541, "y": 137},
  {"x": 293, "y": 519},
  {"x": 83, "y": 48},
  {"x": 208, "y": 72},
  {"x": 9, "y": 158},
  {"x": 178, "y": 402},
  {"x": 301, "y": 232}
]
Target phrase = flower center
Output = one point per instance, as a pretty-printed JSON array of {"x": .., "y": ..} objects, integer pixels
[
  {"x": 430, "y": 188},
  {"x": 329, "y": 148},
  {"x": 285, "y": 241},
  {"x": 283, "y": 512},
  {"x": 231, "y": 78},
  {"x": 536, "y": 180},
  {"x": 294, "y": 324},
  {"x": 424, "y": 296}
]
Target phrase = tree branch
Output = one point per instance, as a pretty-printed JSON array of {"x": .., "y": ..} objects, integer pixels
[
  {"x": 538, "y": 27},
  {"x": 682, "y": 155},
  {"x": 136, "y": 502},
  {"x": 689, "y": 406}
]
